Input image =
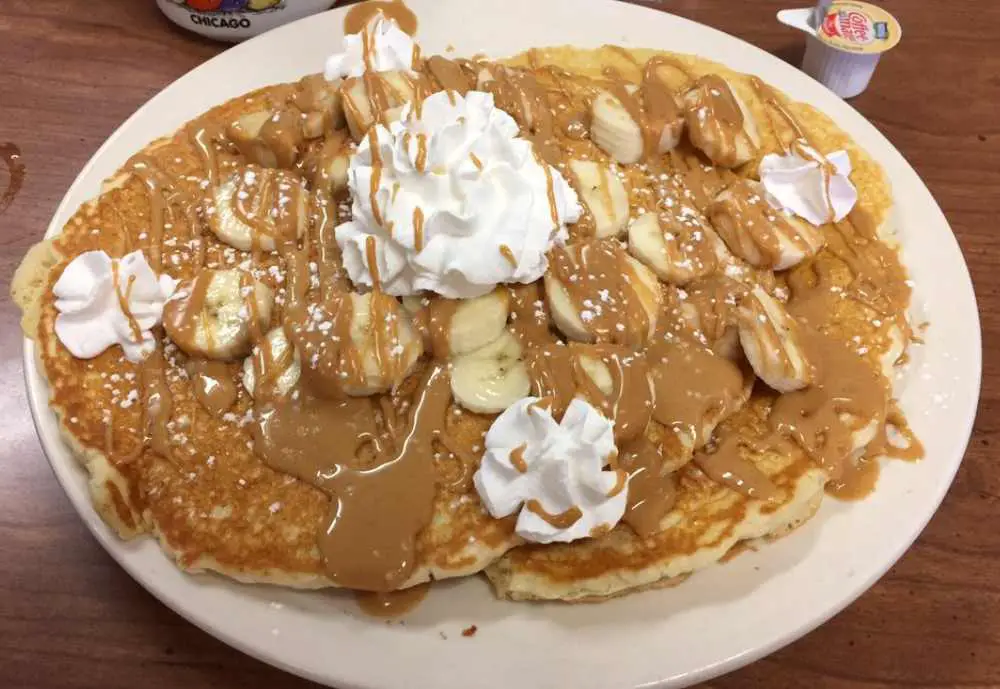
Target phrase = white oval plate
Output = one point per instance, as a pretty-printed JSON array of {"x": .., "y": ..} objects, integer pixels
[{"x": 717, "y": 621}]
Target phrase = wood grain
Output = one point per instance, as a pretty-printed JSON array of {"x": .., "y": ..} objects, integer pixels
[{"x": 71, "y": 71}]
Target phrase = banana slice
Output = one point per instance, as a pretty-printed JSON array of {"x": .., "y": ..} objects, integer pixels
[
  {"x": 598, "y": 372},
  {"x": 603, "y": 192},
  {"x": 471, "y": 323},
  {"x": 375, "y": 96},
  {"x": 320, "y": 102},
  {"x": 772, "y": 342},
  {"x": 216, "y": 314},
  {"x": 758, "y": 232},
  {"x": 677, "y": 249},
  {"x": 490, "y": 379},
  {"x": 597, "y": 309},
  {"x": 259, "y": 207},
  {"x": 269, "y": 138},
  {"x": 272, "y": 369},
  {"x": 372, "y": 318},
  {"x": 614, "y": 129},
  {"x": 720, "y": 123}
]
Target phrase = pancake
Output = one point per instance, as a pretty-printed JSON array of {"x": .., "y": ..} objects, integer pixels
[{"x": 215, "y": 504}]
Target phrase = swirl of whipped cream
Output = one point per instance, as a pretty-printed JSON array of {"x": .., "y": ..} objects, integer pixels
[
  {"x": 457, "y": 201},
  {"x": 380, "y": 47},
  {"x": 809, "y": 184},
  {"x": 552, "y": 471},
  {"x": 104, "y": 301}
]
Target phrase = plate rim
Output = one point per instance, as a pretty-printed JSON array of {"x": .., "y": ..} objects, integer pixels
[{"x": 68, "y": 473}]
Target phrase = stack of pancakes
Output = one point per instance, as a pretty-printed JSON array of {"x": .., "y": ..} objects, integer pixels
[{"x": 213, "y": 504}]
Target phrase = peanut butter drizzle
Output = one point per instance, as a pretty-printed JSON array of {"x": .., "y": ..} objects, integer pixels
[
  {"x": 359, "y": 17},
  {"x": 692, "y": 387},
  {"x": 508, "y": 255},
  {"x": 724, "y": 462},
  {"x": 882, "y": 446},
  {"x": 651, "y": 104},
  {"x": 392, "y": 603},
  {"x": 517, "y": 458},
  {"x": 183, "y": 314},
  {"x": 652, "y": 492},
  {"x": 661, "y": 105},
  {"x": 154, "y": 180},
  {"x": 562, "y": 520},
  {"x": 529, "y": 320},
  {"x": 418, "y": 228},
  {"x": 421, "y": 160},
  {"x": 268, "y": 202},
  {"x": 439, "y": 315},
  {"x": 213, "y": 385},
  {"x": 282, "y": 135},
  {"x": 715, "y": 107},
  {"x": 449, "y": 75},
  {"x": 557, "y": 374},
  {"x": 748, "y": 222},
  {"x": 597, "y": 267},
  {"x": 366, "y": 546},
  {"x": 844, "y": 385},
  {"x": 157, "y": 404},
  {"x": 856, "y": 482},
  {"x": 123, "y": 298},
  {"x": 203, "y": 138},
  {"x": 376, "y": 174}
]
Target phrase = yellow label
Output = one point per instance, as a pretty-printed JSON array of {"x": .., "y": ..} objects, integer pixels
[{"x": 858, "y": 27}]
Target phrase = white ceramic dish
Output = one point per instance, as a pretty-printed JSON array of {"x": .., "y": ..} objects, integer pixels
[{"x": 718, "y": 620}]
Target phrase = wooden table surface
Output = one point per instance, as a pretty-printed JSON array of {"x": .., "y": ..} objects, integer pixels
[{"x": 72, "y": 71}]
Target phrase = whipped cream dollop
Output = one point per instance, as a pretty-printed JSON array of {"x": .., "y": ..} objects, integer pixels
[
  {"x": 532, "y": 461},
  {"x": 387, "y": 48},
  {"x": 457, "y": 202},
  {"x": 104, "y": 301},
  {"x": 815, "y": 187}
]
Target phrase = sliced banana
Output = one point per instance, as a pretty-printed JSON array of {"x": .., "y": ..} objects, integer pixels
[
  {"x": 216, "y": 314},
  {"x": 474, "y": 323},
  {"x": 272, "y": 365},
  {"x": 361, "y": 105},
  {"x": 320, "y": 102},
  {"x": 720, "y": 123},
  {"x": 673, "y": 76},
  {"x": 275, "y": 203},
  {"x": 640, "y": 285},
  {"x": 269, "y": 138},
  {"x": 677, "y": 249},
  {"x": 382, "y": 367},
  {"x": 758, "y": 232},
  {"x": 490, "y": 379},
  {"x": 604, "y": 194},
  {"x": 614, "y": 129},
  {"x": 598, "y": 372},
  {"x": 772, "y": 342}
]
